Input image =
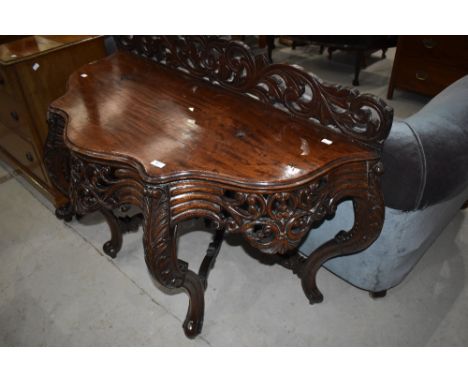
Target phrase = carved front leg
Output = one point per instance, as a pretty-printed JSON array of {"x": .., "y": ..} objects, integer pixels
[
  {"x": 368, "y": 221},
  {"x": 159, "y": 239}
]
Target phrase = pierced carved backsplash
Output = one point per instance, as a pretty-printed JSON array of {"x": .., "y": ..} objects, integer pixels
[{"x": 232, "y": 65}]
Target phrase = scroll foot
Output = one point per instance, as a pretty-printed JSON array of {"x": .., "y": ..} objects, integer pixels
[
  {"x": 314, "y": 296},
  {"x": 65, "y": 213},
  {"x": 193, "y": 323},
  {"x": 113, "y": 246}
]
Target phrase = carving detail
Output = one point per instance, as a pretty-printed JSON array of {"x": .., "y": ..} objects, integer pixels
[
  {"x": 160, "y": 254},
  {"x": 276, "y": 222},
  {"x": 273, "y": 222},
  {"x": 231, "y": 64},
  {"x": 56, "y": 154}
]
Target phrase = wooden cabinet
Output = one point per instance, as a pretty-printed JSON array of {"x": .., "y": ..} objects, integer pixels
[
  {"x": 33, "y": 72},
  {"x": 428, "y": 64}
]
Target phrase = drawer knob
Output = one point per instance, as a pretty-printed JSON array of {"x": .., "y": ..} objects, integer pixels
[
  {"x": 421, "y": 76},
  {"x": 29, "y": 157},
  {"x": 429, "y": 43},
  {"x": 14, "y": 115}
]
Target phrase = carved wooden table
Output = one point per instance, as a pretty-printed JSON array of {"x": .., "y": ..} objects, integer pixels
[{"x": 198, "y": 127}]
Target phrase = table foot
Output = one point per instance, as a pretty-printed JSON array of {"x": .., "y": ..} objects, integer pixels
[
  {"x": 314, "y": 296},
  {"x": 193, "y": 323},
  {"x": 379, "y": 294},
  {"x": 65, "y": 213}
]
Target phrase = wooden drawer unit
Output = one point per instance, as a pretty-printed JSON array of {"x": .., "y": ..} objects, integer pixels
[
  {"x": 22, "y": 152},
  {"x": 15, "y": 116},
  {"x": 435, "y": 48},
  {"x": 428, "y": 64},
  {"x": 427, "y": 77},
  {"x": 33, "y": 72},
  {"x": 8, "y": 81}
]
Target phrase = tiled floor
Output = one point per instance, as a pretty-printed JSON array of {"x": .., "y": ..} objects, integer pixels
[{"x": 58, "y": 288}]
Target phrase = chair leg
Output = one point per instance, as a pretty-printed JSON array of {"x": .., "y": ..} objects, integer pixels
[
  {"x": 270, "y": 41},
  {"x": 357, "y": 67},
  {"x": 378, "y": 294}
]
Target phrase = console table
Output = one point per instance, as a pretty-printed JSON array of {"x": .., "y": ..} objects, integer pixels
[{"x": 199, "y": 127}]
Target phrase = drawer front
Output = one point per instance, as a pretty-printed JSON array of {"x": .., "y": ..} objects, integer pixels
[
  {"x": 451, "y": 50},
  {"x": 8, "y": 82},
  {"x": 22, "y": 151},
  {"x": 426, "y": 77},
  {"x": 14, "y": 115}
]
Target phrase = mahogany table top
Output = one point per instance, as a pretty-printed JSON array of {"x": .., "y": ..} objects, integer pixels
[{"x": 172, "y": 126}]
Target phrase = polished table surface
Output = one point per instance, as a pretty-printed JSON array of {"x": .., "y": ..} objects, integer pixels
[{"x": 141, "y": 112}]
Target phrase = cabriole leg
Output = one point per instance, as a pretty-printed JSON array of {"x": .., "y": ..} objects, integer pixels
[
  {"x": 368, "y": 221},
  {"x": 159, "y": 239}
]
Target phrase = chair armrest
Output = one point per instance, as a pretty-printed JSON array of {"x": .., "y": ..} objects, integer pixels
[{"x": 426, "y": 156}]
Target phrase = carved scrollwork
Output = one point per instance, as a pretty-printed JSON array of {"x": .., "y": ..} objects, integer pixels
[
  {"x": 94, "y": 186},
  {"x": 227, "y": 63},
  {"x": 91, "y": 186},
  {"x": 231, "y": 64},
  {"x": 276, "y": 222},
  {"x": 273, "y": 222},
  {"x": 56, "y": 154}
]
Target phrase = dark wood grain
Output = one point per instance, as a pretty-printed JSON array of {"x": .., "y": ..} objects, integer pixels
[
  {"x": 202, "y": 131},
  {"x": 252, "y": 166}
]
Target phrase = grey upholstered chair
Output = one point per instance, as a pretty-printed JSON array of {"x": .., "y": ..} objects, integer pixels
[{"x": 425, "y": 183}]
